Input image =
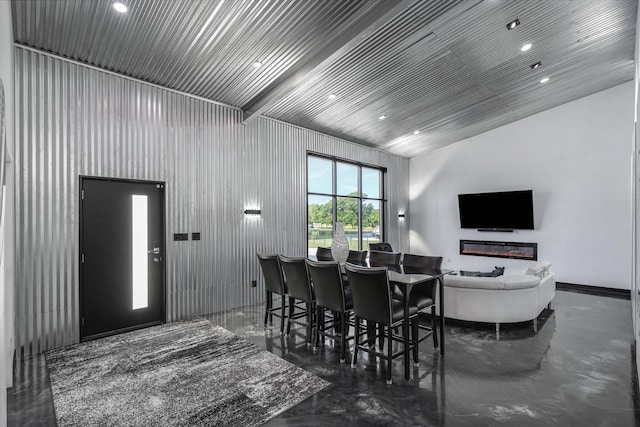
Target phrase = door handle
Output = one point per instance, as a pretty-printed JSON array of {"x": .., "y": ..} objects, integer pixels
[{"x": 155, "y": 250}]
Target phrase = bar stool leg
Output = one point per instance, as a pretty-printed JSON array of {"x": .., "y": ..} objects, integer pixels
[
  {"x": 309, "y": 322},
  {"x": 292, "y": 307},
  {"x": 267, "y": 310},
  {"x": 434, "y": 327},
  {"x": 390, "y": 354},
  {"x": 282, "y": 313},
  {"x": 356, "y": 340},
  {"x": 343, "y": 337},
  {"x": 414, "y": 333},
  {"x": 316, "y": 341}
]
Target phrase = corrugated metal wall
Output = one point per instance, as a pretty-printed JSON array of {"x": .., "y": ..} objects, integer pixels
[{"x": 74, "y": 120}]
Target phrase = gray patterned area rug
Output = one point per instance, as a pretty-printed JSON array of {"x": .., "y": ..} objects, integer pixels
[{"x": 178, "y": 374}]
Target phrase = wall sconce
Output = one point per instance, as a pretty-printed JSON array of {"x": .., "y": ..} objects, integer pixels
[
  {"x": 252, "y": 211},
  {"x": 401, "y": 215}
]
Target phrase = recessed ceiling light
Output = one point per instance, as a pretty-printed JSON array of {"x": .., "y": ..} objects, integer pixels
[
  {"x": 120, "y": 7},
  {"x": 546, "y": 79},
  {"x": 382, "y": 117},
  {"x": 536, "y": 65},
  {"x": 415, "y": 132},
  {"x": 257, "y": 64},
  {"x": 332, "y": 96},
  {"x": 526, "y": 47},
  {"x": 511, "y": 25}
]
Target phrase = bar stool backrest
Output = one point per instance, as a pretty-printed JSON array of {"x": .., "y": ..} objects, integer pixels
[
  {"x": 381, "y": 258},
  {"x": 294, "y": 271},
  {"x": 357, "y": 257},
  {"x": 324, "y": 254},
  {"x": 273, "y": 280},
  {"x": 382, "y": 246},
  {"x": 422, "y": 261},
  {"x": 371, "y": 293},
  {"x": 327, "y": 284}
]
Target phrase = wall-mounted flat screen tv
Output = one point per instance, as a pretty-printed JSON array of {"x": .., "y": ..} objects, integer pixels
[{"x": 506, "y": 210}]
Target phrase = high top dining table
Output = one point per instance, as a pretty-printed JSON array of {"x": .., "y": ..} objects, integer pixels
[{"x": 406, "y": 278}]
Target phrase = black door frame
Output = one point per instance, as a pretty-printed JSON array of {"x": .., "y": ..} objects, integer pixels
[{"x": 81, "y": 251}]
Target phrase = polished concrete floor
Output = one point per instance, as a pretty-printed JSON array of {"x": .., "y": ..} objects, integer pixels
[{"x": 576, "y": 371}]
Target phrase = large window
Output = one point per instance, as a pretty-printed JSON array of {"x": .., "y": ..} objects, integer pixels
[{"x": 342, "y": 191}]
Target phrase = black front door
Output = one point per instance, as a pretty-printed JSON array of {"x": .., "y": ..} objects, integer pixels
[{"x": 121, "y": 256}]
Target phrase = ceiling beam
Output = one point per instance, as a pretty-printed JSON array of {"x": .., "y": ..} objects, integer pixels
[{"x": 384, "y": 11}]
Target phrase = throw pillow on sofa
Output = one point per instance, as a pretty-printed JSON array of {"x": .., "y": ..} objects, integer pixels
[
  {"x": 498, "y": 271},
  {"x": 540, "y": 269}
]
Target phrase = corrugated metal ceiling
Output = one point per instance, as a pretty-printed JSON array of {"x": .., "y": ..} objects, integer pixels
[{"x": 448, "y": 69}]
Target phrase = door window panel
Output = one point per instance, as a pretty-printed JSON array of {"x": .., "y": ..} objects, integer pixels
[{"x": 140, "y": 259}]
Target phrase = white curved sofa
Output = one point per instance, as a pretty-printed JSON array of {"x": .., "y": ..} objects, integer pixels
[{"x": 512, "y": 297}]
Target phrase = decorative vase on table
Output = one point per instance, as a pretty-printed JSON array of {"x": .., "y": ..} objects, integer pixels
[{"x": 340, "y": 244}]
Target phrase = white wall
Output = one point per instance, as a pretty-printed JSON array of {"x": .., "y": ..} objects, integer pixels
[
  {"x": 6, "y": 287},
  {"x": 575, "y": 157},
  {"x": 636, "y": 199}
]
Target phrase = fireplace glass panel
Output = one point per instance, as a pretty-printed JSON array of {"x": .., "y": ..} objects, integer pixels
[{"x": 515, "y": 250}]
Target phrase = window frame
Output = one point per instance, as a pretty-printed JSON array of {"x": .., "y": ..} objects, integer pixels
[{"x": 334, "y": 190}]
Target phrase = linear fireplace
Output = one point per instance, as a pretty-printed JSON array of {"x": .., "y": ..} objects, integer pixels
[{"x": 516, "y": 250}]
